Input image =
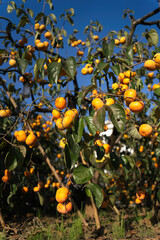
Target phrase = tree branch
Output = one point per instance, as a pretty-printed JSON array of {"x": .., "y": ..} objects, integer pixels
[{"x": 140, "y": 21}]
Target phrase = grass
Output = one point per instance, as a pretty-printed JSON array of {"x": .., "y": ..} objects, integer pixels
[
  {"x": 60, "y": 231},
  {"x": 118, "y": 228},
  {"x": 2, "y": 236}
]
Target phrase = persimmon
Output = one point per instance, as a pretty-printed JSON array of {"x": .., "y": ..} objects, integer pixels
[
  {"x": 62, "y": 143},
  {"x": 136, "y": 106},
  {"x": 36, "y": 26},
  {"x": 90, "y": 70},
  {"x": 36, "y": 189},
  {"x": 64, "y": 123},
  {"x": 140, "y": 194},
  {"x": 46, "y": 45},
  {"x": 98, "y": 142},
  {"x": 94, "y": 92},
  {"x": 24, "y": 189},
  {"x": 60, "y": 103},
  {"x": 70, "y": 113},
  {"x": 109, "y": 101},
  {"x": 145, "y": 130},
  {"x": 31, "y": 139},
  {"x": 121, "y": 77},
  {"x": 41, "y": 46},
  {"x": 42, "y": 27},
  {"x": 5, "y": 113},
  {"x": 126, "y": 80},
  {"x": 48, "y": 35},
  {"x": 97, "y": 103},
  {"x": 130, "y": 95},
  {"x": 62, "y": 194},
  {"x": 157, "y": 60},
  {"x": 122, "y": 40},
  {"x": 64, "y": 208},
  {"x": 31, "y": 170},
  {"x": 21, "y": 136},
  {"x": 117, "y": 42},
  {"x": 124, "y": 87},
  {"x": 129, "y": 74},
  {"x": 150, "y": 74},
  {"x": 107, "y": 148},
  {"x": 115, "y": 86},
  {"x": 37, "y": 41},
  {"x": 150, "y": 65},
  {"x": 155, "y": 86},
  {"x": 80, "y": 53},
  {"x": 12, "y": 63},
  {"x": 95, "y": 37},
  {"x": 56, "y": 114},
  {"x": 137, "y": 201},
  {"x": 27, "y": 173},
  {"x": 84, "y": 71},
  {"x": 5, "y": 178},
  {"x": 97, "y": 61}
]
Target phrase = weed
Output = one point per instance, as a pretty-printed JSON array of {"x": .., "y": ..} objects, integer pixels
[{"x": 118, "y": 228}]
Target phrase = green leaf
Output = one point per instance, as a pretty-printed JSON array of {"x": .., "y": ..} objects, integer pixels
[
  {"x": 97, "y": 193},
  {"x": 88, "y": 192},
  {"x": 53, "y": 17},
  {"x": 50, "y": 4},
  {"x": 60, "y": 132},
  {"x": 158, "y": 196},
  {"x": 22, "y": 65},
  {"x": 30, "y": 11},
  {"x": 73, "y": 145},
  {"x": 23, "y": 150},
  {"x": 54, "y": 70},
  {"x": 157, "y": 91},
  {"x": 38, "y": 67},
  {"x": 103, "y": 175},
  {"x": 89, "y": 122},
  {"x": 3, "y": 144},
  {"x": 71, "y": 10},
  {"x": 9, "y": 8},
  {"x": 112, "y": 199},
  {"x": 134, "y": 133},
  {"x": 128, "y": 159},
  {"x": 80, "y": 130},
  {"x": 69, "y": 66},
  {"x": 99, "y": 118},
  {"x": 116, "y": 69},
  {"x": 152, "y": 37},
  {"x": 108, "y": 48},
  {"x": 84, "y": 92},
  {"x": 157, "y": 152},
  {"x": 70, "y": 158},
  {"x": 114, "y": 161},
  {"x": 13, "y": 4},
  {"x": 100, "y": 152},
  {"x": 138, "y": 85},
  {"x": 82, "y": 174},
  {"x": 156, "y": 101},
  {"x": 117, "y": 116},
  {"x": 41, "y": 198},
  {"x": 129, "y": 53},
  {"x": 102, "y": 65},
  {"x": 125, "y": 163},
  {"x": 13, "y": 159}
]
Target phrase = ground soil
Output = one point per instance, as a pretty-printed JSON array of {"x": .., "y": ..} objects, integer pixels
[{"x": 112, "y": 227}]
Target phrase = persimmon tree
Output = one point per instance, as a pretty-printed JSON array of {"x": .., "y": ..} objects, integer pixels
[{"x": 101, "y": 140}]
